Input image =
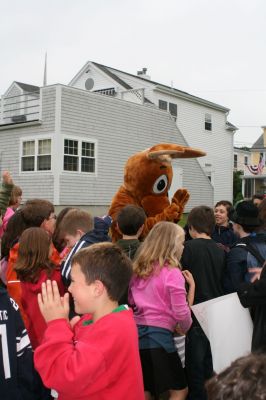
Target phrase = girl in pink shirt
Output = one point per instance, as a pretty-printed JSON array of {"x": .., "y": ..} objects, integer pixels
[
  {"x": 160, "y": 303},
  {"x": 14, "y": 203}
]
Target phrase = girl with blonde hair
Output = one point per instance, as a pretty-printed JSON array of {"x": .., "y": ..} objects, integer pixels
[{"x": 158, "y": 296}]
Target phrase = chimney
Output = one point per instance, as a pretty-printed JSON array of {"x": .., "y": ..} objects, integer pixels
[{"x": 142, "y": 74}]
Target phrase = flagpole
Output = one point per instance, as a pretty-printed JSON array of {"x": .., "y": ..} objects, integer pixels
[{"x": 45, "y": 71}]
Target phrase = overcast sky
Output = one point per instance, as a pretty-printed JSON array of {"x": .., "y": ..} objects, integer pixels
[{"x": 214, "y": 49}]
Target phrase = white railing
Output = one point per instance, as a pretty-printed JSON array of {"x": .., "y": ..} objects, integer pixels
[
  {"x": 20, "y": 108},
  {"x": 133, "y": 95}
]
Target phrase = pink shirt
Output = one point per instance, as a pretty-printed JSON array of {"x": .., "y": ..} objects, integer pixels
[
  {"x": 8, "y": 214},
  {"x": 160, "y": 300}
]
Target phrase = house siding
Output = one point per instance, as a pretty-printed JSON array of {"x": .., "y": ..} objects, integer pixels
[
  {"x": 121, "y": 128},
  {"x": 33, "y": 184},
  {"x": 217, "y": 143}
]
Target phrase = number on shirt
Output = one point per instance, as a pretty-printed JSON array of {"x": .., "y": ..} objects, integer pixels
[{"x": 5, "y": 355}]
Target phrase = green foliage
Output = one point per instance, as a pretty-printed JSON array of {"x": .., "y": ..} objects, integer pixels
[{"x": 237, "y": 186}]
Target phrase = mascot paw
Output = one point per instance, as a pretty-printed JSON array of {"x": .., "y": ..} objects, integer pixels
[
  {"x": 180, "y": 198},
  {"x": 172, "y": 212}
]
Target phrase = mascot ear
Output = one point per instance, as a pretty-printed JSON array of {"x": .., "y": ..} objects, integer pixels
[{"x": 174, "y": 151}]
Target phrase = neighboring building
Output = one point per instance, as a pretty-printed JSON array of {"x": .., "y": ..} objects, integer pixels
[
  {"x": 72, "y": 150},
  {"x": 202, "y": 123},
  {"x": 254, "y": 179},
  {"x": 242, "y": 157}
]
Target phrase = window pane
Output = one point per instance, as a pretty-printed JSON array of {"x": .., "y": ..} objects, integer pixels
[
  {"x": 70, "y": 163},
  {"x": 87, "y": 149},
  {"x": 163, "y": 105},
  {"x": 44, "y": 163},
  {"x": 173, "y": 109},
  {"x": 87, "y": 164},
  {"x": 27, "y": 163},
  {"x": 71, "y": 147},
  {"x": 28, "y": 148},
  {"x": 44, "y": 146}
]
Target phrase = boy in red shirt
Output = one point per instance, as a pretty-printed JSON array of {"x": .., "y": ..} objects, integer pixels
[{"x": 97, "y": 358}]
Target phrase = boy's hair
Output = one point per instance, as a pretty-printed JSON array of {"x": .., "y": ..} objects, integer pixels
[
  {"x": 15, "y": 193},
  {"x": 129, "y": 219},
  {"x": 202, "y": 219},
  {"x": 227, "y": 204},
  {"x": 107, "y": 263},
  {"x": 244, "y": 379},
  {"x": 163, "y": 244},
  {"x": 76, "y": 220},
  {"x": 33, "y": 254},
  {"x": 35, "y": 211},
  {"x": 257, "y": 196},
  {"x": 58, "y": 240}
]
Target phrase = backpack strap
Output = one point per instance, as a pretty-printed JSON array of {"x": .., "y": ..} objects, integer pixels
[{"x": 252, "y": 250}]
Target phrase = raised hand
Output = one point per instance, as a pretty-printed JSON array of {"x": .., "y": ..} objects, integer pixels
[
  {"x": 52, "y": 306},
  {"x": 7, "y": 178}
]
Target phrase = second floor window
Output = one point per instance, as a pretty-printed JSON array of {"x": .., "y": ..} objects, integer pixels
[
  {"x": 163, "y": 105},
  {"x": 208, "y": 122}
]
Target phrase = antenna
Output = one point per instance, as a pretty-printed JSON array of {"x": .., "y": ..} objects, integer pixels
[{"x": 45, "y": 71}]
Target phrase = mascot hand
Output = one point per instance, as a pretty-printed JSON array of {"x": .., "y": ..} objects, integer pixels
[{"x": 180, "y": 199}]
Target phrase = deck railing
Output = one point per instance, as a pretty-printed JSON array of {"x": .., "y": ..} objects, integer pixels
[{"x": 20, "y": 108}]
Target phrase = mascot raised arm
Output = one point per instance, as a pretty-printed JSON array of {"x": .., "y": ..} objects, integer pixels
[{"x": 147, "y": 180}]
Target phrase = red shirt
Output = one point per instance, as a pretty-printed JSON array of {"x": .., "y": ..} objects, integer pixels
[
  {"x": 99, "y": 361},
  {"x": 13, "y": 283},
  {"x": 36, "y": 324}
]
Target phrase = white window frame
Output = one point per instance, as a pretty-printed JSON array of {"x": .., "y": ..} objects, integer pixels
[
  {"x": 80, "y": 139},
  {"x": 36, "y": 140}
]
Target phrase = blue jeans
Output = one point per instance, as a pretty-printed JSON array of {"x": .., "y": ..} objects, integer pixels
[{"x": 199, "y": 366}]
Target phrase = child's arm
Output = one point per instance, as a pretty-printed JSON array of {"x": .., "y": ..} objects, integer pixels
[
  {"x": 191, "y": 286},
  {"x": 5, "y": 191},
  {"x": 64, "y": 363}
]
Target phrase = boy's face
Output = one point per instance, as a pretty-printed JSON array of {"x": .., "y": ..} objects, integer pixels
[
  {"x": 71, "y": 240},
  {"x": 84, "y": 294}
]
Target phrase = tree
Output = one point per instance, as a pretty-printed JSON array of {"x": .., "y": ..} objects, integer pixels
[{"x": 237, "y": 186}]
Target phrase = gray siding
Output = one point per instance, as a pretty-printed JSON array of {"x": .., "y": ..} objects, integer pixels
[
  {"x": 121, "y": 128},
  {"x": 33, "y": 184}
]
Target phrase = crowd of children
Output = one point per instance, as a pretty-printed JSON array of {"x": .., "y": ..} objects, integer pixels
[{"x": 83, "y": 318}]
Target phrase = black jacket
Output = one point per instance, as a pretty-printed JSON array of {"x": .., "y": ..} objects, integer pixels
[{"x": 254, "y": 295}]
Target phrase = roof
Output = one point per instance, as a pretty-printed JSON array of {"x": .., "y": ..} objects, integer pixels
[
  {"x": 28, "y": 88},
  {"x": 174, "y": 91},
  {"x": 230, "y": 126},
  {"x": 259, "y": 143},
  {"x": 116, "y": 78}
]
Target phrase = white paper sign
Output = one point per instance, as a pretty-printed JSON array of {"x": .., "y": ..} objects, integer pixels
[{"x": 228, "y": 327}]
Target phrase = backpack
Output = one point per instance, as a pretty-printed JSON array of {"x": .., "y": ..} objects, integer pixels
[{"x": 256, "y": 271}]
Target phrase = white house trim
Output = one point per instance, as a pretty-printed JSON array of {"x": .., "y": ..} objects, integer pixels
[
  {"x": 57, "y": 146},
  {"x": 35, "y": 138}
]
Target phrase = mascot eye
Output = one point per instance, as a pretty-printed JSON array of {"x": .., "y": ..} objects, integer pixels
[{"x": 160, "y": 184}]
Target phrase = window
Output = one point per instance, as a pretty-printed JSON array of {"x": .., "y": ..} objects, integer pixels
[
  {"x": 235, "y": 160},
  {"x": 173, "y": 109},
  {"x": 208, "y": 122},
  {"x": 163, "y": 105},
  {"x": 44, "y": 155},
  {"x": 246, "y": 160},
  {"x": 79, "y": 156},
  {"x": 36, "y": 155}
]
